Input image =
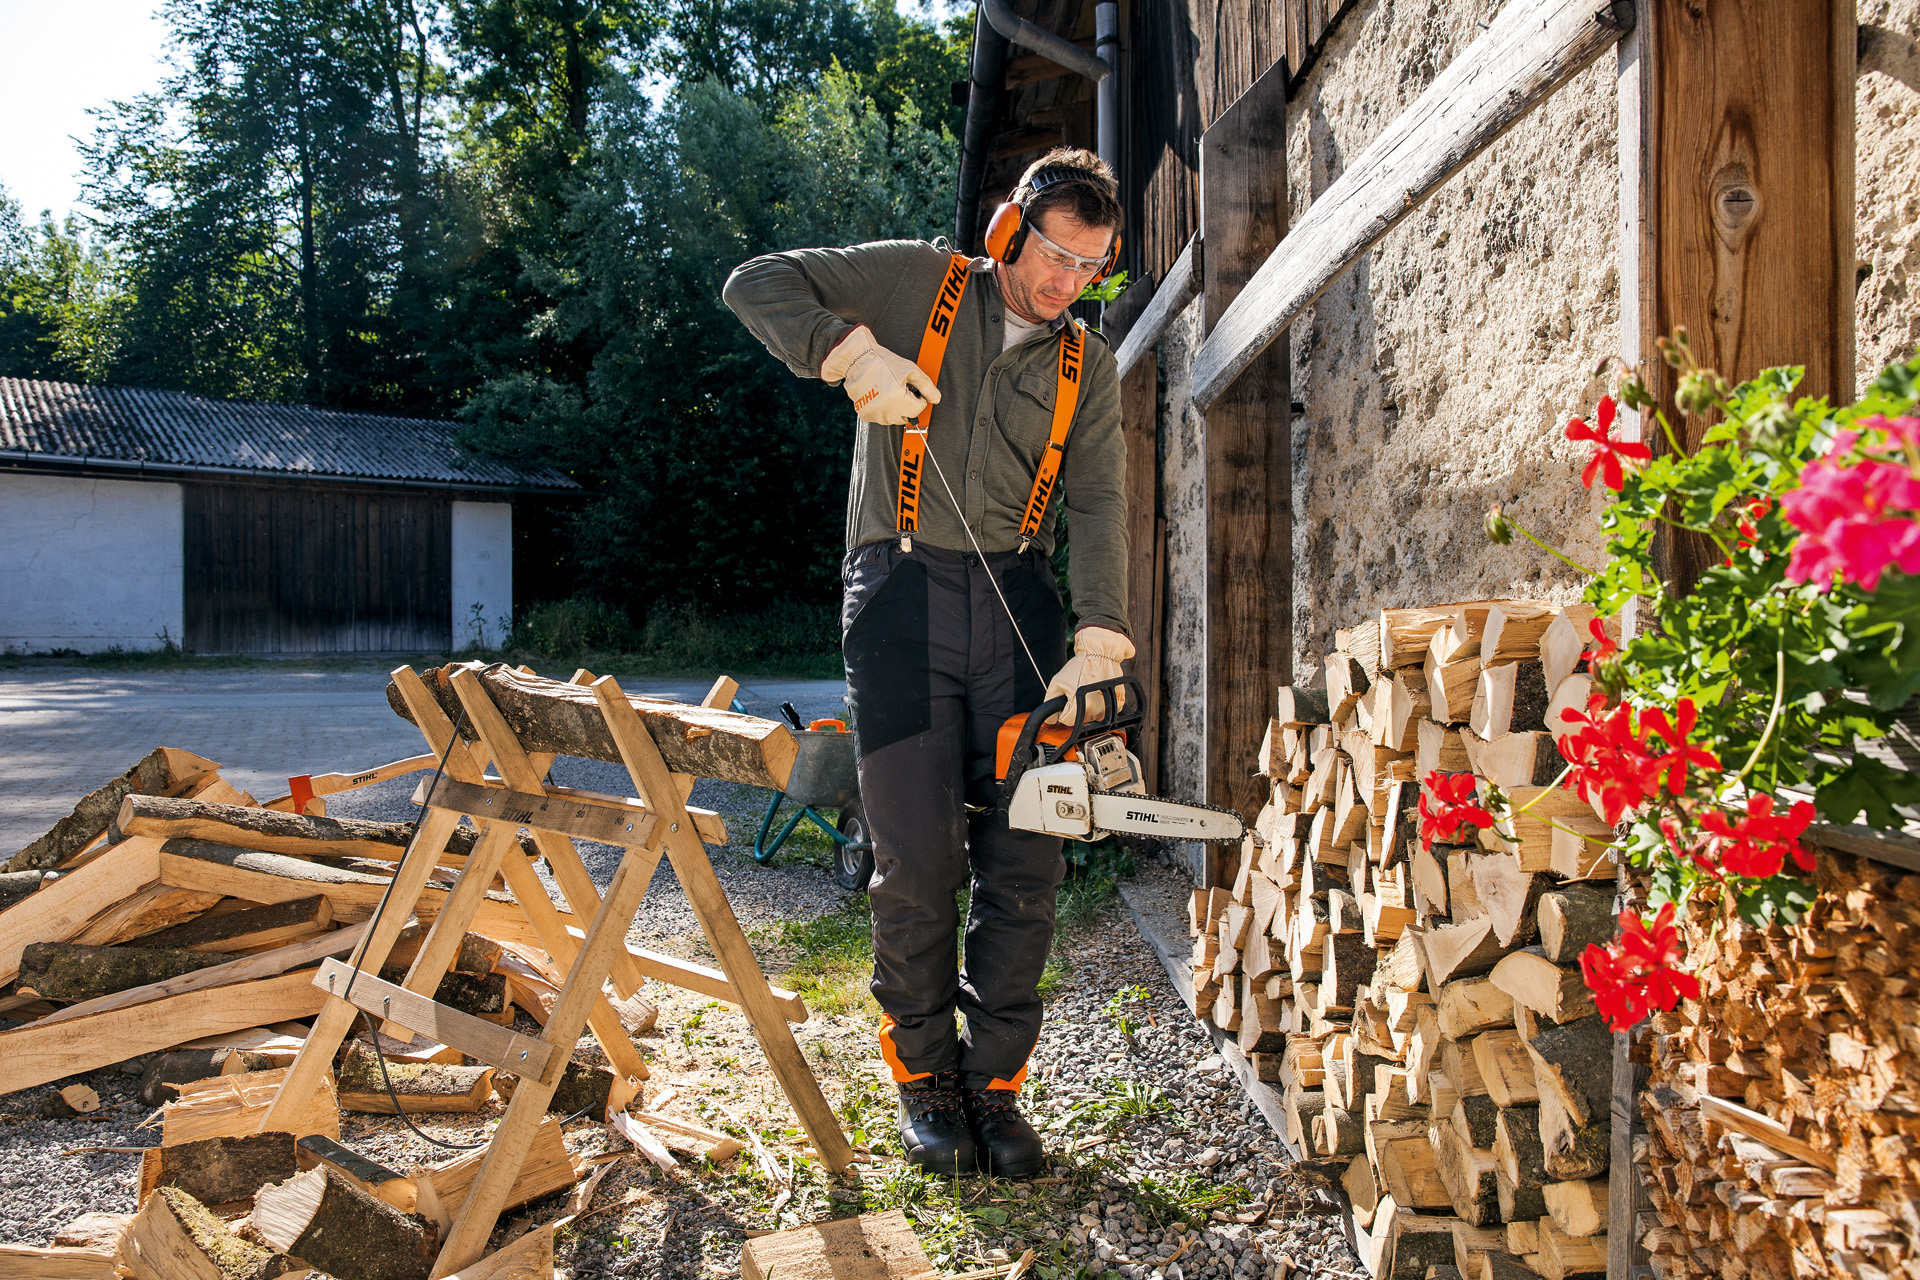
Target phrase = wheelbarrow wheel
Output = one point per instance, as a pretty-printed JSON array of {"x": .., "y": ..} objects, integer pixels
[{"x": 853, "y": 862}]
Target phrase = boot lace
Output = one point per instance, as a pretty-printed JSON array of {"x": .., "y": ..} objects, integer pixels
[
  {"x": 936, "y": 1098},
  {"x": 994, "y": 1102}
]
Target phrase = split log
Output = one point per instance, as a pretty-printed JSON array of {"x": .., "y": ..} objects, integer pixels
[
  {"x": 1301, "y": 707},
  {"x": 1509, "y": 896},
  {"x": 1451, "y": 686},
  {"x": 1346, "y": 962},
  {"x": 160, "y": 1082},
  {"x": 316, "y": 1150},
  {"x": 1513, "y": 631},
  {"x": 64, "y": 907},
  {"x": 65, "y": 971},
  {"x": 267, "y": 964},
  {"x": 1561, "y": 645},
  {"x": 1574, "y": 1062},
  {"x": 694, "y": 1140},
  {"x": 1459, "y": 951},
  {"x": 150, "y": 909},
  {"x": 1475, "y": 1119},
  {"x": 15, "y": 885},
  {"x": 1468, "y": 1175},
  {"x": 1415, "y": 1242},
  {"x": 1472, "y": 1005},
  {"x": 1362, "y": 643},
  {"x": 1581, "y": 849},
  {"x": 1503, "y": 1266},
  {"x": 273, "y": 925},
  {"x": 333, "y": 1225},
  {"x": 1339, "y": 1132},
  {"x": 1574, "y": 917},
  {"x": 482, "y": 995},
  {"x": 1563, "y": 1256},
  {"x": 564, "y": 719},
  {"x": 219, "y": 1171},
  {"x": 1363, "y": 1193},
  {"x": 1406, "y": 633},
  {"x": 271, "y": 831},
  {"x": 235, "y": 1106},
  {"x": 1403, "y": 1161},
  {"x": 1526, "y": 759},
  {"x": 1456, "y": 1059},
  {"x": 1577, "y": 1208},
  {"x": 1572, "y": 694},
  {"x": 100, "y": 1231},
  {"x": 1439, "y": 749},
  {"x": 1550, "y": 990},
  {"x": 175, "y": 1237},
  {"x": 1347, "y": 682},
  {"x": 1510, "y": 698},
  {"x": 1521, "y": 1163},
  {"x": 1574, "y": 1149},
  {"x": 163, "y": 771},
  {"x": 1304, "y": 1109},
  {"x": 45, "y": 1051},
  {"x": 528, "y": 1258},
  {"x": 421, "y": 1086},
  {"x": 1505, "y": 1067},
  {"x": 1471, "y": 1243},
  {"x": 879, "y": 1246},
  {"x": 583, "y": 1087},
  {"x": 28, "y": 1262},
  {"x": 1408, "y": 706},
  {"x": 443, "y": 1187}
]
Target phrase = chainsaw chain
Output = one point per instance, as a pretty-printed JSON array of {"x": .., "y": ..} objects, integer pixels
[{"x": 1185, "y": 804}]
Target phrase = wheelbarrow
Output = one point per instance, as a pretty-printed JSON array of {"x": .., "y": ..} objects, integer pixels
[{"x": 823, "y": 777}]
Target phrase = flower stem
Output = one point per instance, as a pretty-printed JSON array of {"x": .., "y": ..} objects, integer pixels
[
  {"x": 1555, "y": 552},
  {"x": 1544, "y": 792},
  {"x": 1773, "y": 717}
]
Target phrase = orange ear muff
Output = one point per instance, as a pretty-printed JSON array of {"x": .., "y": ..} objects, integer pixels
[
  {"x": 1113, "y": 259},
  {"x": 1005, "y": 233}
]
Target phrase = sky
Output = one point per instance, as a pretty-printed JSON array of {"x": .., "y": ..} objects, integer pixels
[{"x": 57, "y": 59}]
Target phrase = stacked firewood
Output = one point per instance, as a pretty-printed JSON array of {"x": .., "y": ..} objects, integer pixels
[
  {"x": 1422, "y": 1008},
  {"x": 1784, "y": 1108}
]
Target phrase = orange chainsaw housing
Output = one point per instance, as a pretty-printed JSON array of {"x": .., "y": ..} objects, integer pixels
[{"x": 1051, "y": 735}]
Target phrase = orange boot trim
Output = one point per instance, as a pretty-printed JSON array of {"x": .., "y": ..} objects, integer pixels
[{"x": 892, "y": 1055}]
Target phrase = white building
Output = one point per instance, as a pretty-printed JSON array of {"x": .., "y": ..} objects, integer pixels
[{"x": 134, "y": 518}]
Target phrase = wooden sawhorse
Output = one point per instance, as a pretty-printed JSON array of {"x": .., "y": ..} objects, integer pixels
[{"x": 656, "y": 822}]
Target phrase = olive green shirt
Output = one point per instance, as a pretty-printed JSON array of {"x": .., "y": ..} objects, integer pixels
[{"x": 995, "y": 412}]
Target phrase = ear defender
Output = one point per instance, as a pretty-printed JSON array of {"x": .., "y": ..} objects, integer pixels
[{"x": 1007, "y": 229}]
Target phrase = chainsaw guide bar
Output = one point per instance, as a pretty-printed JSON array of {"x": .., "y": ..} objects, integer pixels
[{"x": 1129, "y": 813}]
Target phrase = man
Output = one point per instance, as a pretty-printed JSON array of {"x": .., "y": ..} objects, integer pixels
[{"x": 941, "y": 550}]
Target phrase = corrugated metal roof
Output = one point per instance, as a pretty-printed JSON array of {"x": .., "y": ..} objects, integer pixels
[{"x": 66, "y": 422}]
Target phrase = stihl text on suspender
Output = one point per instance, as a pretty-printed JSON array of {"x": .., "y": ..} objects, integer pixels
[{"x": 913, "y": 443}]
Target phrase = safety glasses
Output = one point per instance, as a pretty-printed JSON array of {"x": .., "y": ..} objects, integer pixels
[{"x": 1060, "y": 260}]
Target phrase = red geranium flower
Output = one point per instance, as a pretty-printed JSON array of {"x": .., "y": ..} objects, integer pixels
[
  {"x": 1672, "y": 767},
  {"x": 1758, "y": 844},
  {"x": 1607, "y": 452},
  {"x": 1639, "y": 971},
  {"x": 1747, "y": 529},
  {"x": 1456, "y": 808},
  {"x": 1603, "y": 646},
  {"x": 1608, "y": 759}
]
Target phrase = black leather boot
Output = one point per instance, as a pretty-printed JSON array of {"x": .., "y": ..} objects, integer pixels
[
  {"x": 1009, "y": 1147},
  {"x": 933, "y": 1125}
]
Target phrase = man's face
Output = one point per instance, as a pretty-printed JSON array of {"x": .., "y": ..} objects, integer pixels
[{"x": 1042, "y": 284}]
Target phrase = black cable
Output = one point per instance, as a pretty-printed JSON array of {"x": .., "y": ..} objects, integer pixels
[{"x": 373, "y": 1034}]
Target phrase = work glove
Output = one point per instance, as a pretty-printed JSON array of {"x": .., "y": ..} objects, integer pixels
[
  {"x": 1097, "y": 655},
  {"x": 882, "y": 385}
]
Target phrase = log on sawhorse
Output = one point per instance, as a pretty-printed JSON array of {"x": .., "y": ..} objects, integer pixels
[{"x": 657, "y": 823}]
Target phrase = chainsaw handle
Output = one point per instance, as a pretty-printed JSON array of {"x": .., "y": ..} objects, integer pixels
[{"x": 1026, "y": 749}]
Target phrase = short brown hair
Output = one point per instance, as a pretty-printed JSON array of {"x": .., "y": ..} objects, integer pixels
[{"x": 1093, "y": 199}]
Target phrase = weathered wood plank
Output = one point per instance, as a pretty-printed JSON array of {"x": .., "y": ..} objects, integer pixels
[
  {"x": 561, "y": 718},
  {"x": 1248, "y": 449},
  {"x": 1531, "y": 49},
  {"x": 477, "y": 1038},
  {"x": 1180, "y": 287}
]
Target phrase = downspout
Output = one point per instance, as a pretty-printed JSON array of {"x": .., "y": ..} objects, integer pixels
[
  {"x": 990, "y": 40},
  {"x": 987, "y": 74}
]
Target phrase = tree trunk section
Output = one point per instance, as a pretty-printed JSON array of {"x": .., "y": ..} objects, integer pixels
[{"x": 325, "y": 1219}]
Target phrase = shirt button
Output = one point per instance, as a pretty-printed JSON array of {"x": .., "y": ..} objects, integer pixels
[
  {"x": 973, "y": 475},
  {"x": 994, "y": 317}
]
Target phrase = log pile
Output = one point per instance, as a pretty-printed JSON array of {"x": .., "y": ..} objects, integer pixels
[
  {"x": 1422, "y": 1010},
  {"x": 1783, "y": 1110},
  {"x": 173, "y": 923}
]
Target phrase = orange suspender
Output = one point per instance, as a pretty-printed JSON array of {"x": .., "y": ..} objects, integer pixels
[
  {"x": 933, "y": 351},
  {"x": 1066, "y": 395},
  {"x": 913, "y": 443}
]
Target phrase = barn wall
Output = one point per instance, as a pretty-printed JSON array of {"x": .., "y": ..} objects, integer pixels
[
  {"x": 88, "y": 564},
  {"x": 482, "y": 572}
]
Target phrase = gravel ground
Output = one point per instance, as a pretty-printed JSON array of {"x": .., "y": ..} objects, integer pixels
[{"x": 1162, "y": 1169}]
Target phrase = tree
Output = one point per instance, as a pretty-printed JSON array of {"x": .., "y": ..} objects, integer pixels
[{"x": 59, "y": 298}]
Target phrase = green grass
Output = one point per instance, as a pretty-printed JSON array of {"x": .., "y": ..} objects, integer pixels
[{"x": 835, "y": 958}]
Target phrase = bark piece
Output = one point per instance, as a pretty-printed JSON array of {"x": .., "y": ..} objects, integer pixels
[
  {"x": 64, "y": 971},
  {"x": 273, "y": 925},
  {"x": 421, "y": 1086},
  {"x": 160, "y": 1082},
  {"x": 175, "y": 1237},
  {"x": 1574, "y": 917},
  {"x": 1574, "y": 1062},
  {"x": 1415, "y": 1242},
  {"x": 161, "y": 771},
  {"x": 1521, "y": 1163},
  {"x": 563, "y": 718},
  {"x": 378, "y": 1181},
  {"x": 335, "y": 1226},
  {"x": 219, "y": 1171},
  {"x": 1302, "y": 708},
  {"x": 15, "y": 885},
  {"x": 483, "y": 996}
]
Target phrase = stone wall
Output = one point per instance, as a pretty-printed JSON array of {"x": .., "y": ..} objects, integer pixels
[{"x": 1439, "y": 372}]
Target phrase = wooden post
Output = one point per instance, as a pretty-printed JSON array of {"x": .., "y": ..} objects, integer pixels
[
  {"x": 1248, "y": 442},
  {"x": 1140, "y": 428},
  {"x": 1746, "y": 177}
]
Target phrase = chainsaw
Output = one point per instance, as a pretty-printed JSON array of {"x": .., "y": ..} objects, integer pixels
[{"x": 1081, "y": 782}]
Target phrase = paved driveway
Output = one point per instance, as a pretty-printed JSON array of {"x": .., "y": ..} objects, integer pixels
[{"x": 66, "y": 730}]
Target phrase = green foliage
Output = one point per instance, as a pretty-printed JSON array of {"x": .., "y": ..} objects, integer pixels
[
  {"x": 783, "y": 639},
  {"x": 59, "y": 299}
]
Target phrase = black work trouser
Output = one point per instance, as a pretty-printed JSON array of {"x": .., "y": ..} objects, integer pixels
[{"x": 933, "y": 670}]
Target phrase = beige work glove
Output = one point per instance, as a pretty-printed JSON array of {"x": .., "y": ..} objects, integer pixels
[
  {"x": 1097, "y": 655},
  {"x": 882, "y": 385}
]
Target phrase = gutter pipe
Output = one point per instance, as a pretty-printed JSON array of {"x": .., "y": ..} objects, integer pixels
[
  {"x": 1048, "y": 45},
  {"x": 988, "y": 72}
]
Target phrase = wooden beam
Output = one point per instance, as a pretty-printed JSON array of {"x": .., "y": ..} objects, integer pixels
[
  {"x": 497, "y": 1046},
  {"x": 1248, "y": 448},
  {"x": 59, "y": 911},
  {"x": 1746, "y": 132},
  {"x": 1531, "y": 49},
  {"x": 1169, "y": 300},
  {"x": 1140, "y": 431}
]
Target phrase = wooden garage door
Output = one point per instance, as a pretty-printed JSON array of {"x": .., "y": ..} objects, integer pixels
[{"x": 307, "y": 569}]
